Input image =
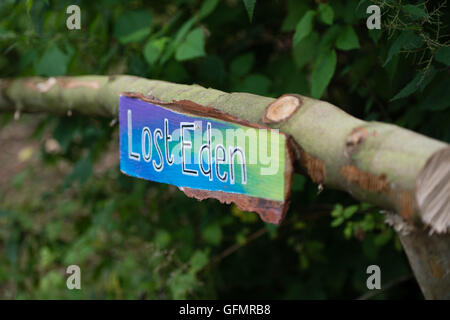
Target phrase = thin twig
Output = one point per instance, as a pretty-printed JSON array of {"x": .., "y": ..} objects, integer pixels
[
  {"x": 387, "y": 286},
  {"x": 237, "y": 246}
]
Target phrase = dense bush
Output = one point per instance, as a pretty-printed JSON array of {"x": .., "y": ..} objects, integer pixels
[{"x": 138, "y": 239}]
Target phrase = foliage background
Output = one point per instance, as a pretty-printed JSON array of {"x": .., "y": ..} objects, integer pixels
[{"x": 137, "y": 239}]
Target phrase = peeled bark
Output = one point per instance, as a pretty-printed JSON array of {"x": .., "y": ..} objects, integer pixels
[{"x": 375, "y": 162}]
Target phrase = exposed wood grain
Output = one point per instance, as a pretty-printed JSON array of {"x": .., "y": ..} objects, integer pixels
[
  {"x": 376, "y": 156},
  {"x": 433, "y": 190}
]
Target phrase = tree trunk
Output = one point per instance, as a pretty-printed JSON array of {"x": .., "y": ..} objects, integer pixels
[{"x": 429, "y": 257}]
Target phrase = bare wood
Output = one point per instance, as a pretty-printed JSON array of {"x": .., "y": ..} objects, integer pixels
[
  {"x": 433, "y": 190},
  {"x": 378, "y": 163},
  {"x": 282, "y": 109},
  {"x": 375, "y": 162}
]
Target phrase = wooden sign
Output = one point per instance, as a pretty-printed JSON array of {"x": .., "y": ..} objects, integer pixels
[{"x": 206, "y": 153}]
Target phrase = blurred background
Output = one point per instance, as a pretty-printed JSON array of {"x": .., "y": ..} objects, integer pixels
[{"x": 64, "y": 201}]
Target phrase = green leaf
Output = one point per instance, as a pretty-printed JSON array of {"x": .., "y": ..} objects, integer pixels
[
  {"x": 304, "y": 26},
  {"x": 212, "y": 234},
  {"x": 53, "y": 62},
  {"x": 406, "y": 40},
  {"x": 207, "y": 7},
  {"x": 415, "y": 12},
  {"x": 306, "y": 49},
  {"x": 153, "y": 50},
  {"x": 179, "y": 37},
  {"x": 350, "y": 211},
  {"x": 242, "y": 65},
  {"x": 348, "y": 230},
  {"x": 337, "y": 222},
  {"x": 409, "y": 89},
  {"x": 337, "y": 210},
  {"x": 250, "y": 7},
  {"x": 133, "y": 26},
  {"x": 368, "y": 223},
  {"x": 347, "y": 39},
  {"x": 198, "y": 260},
  {"x": 443, "y": 55},
  {"x": 295, "y": 10},
  {"x": 192, "y": 47},
  {"x": 322, "y": 73},
  {"x": 420, "y": 81},
  {"x": 328, "y": 39},
  {"x": 326, "y": 13}
]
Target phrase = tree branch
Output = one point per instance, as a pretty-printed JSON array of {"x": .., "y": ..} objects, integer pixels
[{"x": 375, "y": 162}]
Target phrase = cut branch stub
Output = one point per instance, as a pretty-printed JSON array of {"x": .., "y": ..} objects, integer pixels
[
  {"x": 282, "y": 109},
  {"x": 375, "y": 162},
  {"x": 433, "y": 190},
  {"x": 378, "y": 163}
]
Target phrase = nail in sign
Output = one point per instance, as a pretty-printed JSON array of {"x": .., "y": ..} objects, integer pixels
[{"x": 206, "y": 153}]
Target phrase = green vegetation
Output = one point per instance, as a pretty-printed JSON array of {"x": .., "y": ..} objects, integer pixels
[{"x": 138, "y": 239}]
